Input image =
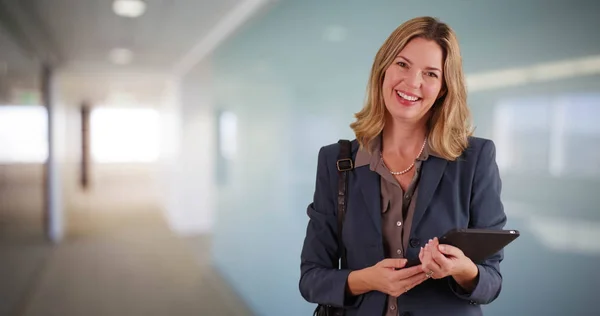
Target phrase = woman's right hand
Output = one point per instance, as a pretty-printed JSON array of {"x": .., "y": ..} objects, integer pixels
[{"x": 390, "y": 277}]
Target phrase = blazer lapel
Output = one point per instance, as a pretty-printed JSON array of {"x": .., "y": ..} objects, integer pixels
[
  {"x": 432, "y": 171},
  {"x": 369, "y": 183}
]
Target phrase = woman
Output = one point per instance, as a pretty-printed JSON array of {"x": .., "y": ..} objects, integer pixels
[{"x": 418, "y": 173}]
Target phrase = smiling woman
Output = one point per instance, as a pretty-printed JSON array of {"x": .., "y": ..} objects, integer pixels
[
  {"x": 415, "y": 173},
  {"x": 414, "y": 84},
  {"x": 421, "y": 68}
]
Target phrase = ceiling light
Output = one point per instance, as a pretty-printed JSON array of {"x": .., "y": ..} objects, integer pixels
[
  {"x": 561, "y": 69},
  {"x": 120, "y": 56},
  {"x": 129, "y": 8}
]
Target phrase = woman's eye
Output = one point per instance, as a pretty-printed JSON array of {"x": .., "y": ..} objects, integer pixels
[
  {"x": 432, "y": 74},
  {"x": 401, "y": 64}
]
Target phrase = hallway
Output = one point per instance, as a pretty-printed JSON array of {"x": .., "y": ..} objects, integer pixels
[{"x": 111, "y": 265}]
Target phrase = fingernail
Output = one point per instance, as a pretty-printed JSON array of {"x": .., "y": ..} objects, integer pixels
[
  {"x": 430, "y": 240},
  {"x": 441, "y": 248}
]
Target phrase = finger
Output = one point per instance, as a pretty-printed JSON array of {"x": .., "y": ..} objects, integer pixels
[
  {"x": 406, "y": 273},
  {"x": 427, "y": 255},
  {"x": 429, "y": 265},
  {"x": 414, "y": 280},
  {"x": 393, "y": 263},
  {"x": 433, "y": 247},
  {"x": 433, "y": 268},
  {"x": 434, "y": 243},
  {"x": 436, "y": 255},
  {"x": 450, "y": 251},
  {"x": 440, "y": 258},
  {"x": 435, "y": 272},
  {"x": 419, "y": 278}
]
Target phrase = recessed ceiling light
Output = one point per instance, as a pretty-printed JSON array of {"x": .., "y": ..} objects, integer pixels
[
  {"x": 121, "y": 56},
  {"x": 129, "y": 8}
]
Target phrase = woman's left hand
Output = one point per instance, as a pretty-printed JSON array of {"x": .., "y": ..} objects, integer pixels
[{"x": 440, "y": 261}]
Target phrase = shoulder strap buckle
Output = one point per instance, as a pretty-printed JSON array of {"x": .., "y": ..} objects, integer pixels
[{"x": 345, "y": 164}]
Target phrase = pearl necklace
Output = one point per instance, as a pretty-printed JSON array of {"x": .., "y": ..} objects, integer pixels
[{"x": 396, "y": 173}]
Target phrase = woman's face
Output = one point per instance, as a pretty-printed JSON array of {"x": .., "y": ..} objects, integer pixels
[{"x": 413, "y": 82}]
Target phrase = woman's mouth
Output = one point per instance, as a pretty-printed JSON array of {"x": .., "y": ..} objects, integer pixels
[{"x": 407, "y": 99}]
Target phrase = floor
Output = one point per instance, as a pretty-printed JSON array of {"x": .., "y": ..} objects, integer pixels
[{"x": 111, "y": 265}]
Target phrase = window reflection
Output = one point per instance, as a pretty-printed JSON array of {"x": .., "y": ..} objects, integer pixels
[
  {"x": 228, "y": 135},
  {"x": 556, "y": 135}
]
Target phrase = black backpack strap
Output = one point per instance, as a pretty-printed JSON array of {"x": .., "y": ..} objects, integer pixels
[{"x": 344, "y": 165}]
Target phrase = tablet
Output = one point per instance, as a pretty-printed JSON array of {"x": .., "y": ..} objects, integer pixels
[{"x": 476, "y": 244}]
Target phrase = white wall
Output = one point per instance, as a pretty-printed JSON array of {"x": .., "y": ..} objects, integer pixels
[{"x": 191, "y": 192}]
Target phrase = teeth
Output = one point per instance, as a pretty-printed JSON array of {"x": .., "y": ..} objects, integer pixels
[{"x": 409, "y": 98}]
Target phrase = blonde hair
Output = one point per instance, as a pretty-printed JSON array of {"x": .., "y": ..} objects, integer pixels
[{"x": 449, "y": 125}]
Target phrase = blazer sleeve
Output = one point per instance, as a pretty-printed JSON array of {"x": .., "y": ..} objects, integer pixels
[
  {"x": 487, "y": 212},
  {"x": 320, "y": 279}
]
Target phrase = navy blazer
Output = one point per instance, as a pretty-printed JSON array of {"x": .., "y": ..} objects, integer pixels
[{"x": 464, "y": 193}]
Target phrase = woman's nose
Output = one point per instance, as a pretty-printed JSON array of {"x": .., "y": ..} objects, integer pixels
[{"x": 413, "y": 79}]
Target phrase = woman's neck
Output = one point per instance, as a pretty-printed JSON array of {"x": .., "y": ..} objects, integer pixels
[{"x": 403, "y": 140}]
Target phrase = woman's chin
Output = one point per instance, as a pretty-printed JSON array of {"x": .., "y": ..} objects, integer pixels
[{"x": 409, "y": 115}]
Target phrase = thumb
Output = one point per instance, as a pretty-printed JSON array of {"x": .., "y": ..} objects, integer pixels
[
  {"x": 450, "y": 251},
  {"x": 393, "y": 263}
]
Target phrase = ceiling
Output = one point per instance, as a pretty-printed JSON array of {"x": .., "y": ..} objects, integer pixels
[
  {"x": 18, "y": 71},
  {"x": 77, "y": 36}
]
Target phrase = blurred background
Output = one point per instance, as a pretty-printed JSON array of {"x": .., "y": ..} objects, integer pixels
[{"x": 157, "y": 156}]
